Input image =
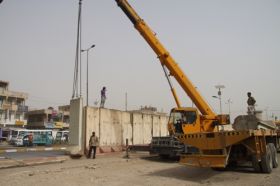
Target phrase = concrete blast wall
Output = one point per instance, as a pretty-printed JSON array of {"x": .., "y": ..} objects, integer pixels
[
  {"x": 113, "y": 127},
  {"x": 76, "y": 137}
]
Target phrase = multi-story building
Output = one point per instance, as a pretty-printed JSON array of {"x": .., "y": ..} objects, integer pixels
[
  {"x": 149, "y": 110},
  {"x": 12, "y": 106},
  {"x": 49, "y": 118}
]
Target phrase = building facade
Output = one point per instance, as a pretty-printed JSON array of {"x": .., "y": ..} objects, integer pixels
[
  {"x": 48, "y": 118},
  {"x": 12, "y": 106}
]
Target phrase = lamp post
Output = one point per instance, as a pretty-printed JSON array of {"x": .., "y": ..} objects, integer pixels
[
  {"x": 87, "y": 50},
  {"x": 229, "y": 102},
  {"x": 219, "y": 87},
  {"x": 126, "y": 101},
  {"x": 219, "y": 101}
]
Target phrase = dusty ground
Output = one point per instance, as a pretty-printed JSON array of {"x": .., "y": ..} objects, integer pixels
[{"x": 140, "y": 169}]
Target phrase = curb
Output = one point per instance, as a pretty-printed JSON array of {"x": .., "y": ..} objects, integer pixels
[{"x": 33, "y": 149}]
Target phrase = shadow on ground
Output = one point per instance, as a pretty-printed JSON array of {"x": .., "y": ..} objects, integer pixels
[
  {"x": 193, "y": 174},
  {"x": 198, "y": 174},
  {"x": 155, "y": 158}
]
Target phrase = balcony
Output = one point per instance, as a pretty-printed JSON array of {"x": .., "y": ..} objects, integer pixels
[
  {"x": 11, "y": 107},
  {"x": 7, "y": 93}
]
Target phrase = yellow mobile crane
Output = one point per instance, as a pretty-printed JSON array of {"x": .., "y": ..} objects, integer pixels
[{"x": 199, "y": 127}]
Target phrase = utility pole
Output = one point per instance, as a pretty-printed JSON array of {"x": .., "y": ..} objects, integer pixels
[
  {"x": 229, "y": 102},
  {"x": 87, "y": 50},
  {"x": 78, "y": 65},
  {"x": 219, "y": 87},
  {"x": 266, "y": 111},
  {"x": 126, "y": 101}
]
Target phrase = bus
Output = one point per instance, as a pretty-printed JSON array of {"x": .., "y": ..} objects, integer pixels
[
  {"x": 14, "y": 134},
  {"x": 37, "y": 137},
  {"x": 21, "y": 137}
]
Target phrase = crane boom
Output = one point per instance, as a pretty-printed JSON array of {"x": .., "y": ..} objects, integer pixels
[
  {"x": 209, "y": 147},
  {"x": 166, "y": 59}
]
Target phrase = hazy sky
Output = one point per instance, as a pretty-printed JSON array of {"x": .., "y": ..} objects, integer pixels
[{"x": 234, "y": 43}]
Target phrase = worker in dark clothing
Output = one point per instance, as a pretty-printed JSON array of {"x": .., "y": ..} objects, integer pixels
[
  {"x": 251, "y": 103},
  {"x": 30, "y": 140},
  {"x": 93, "y": 143},
  {"x": 103, "y": 97}
]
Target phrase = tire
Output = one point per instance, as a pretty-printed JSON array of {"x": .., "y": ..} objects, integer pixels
[
  {"x": 233, "y": 164},
  {"x": 266, "y": 161},
  {"x": 164, "y": 156},
  {"x": 273, "y": 155},
  {"x": 219, "y": 169},
  {"x": 256, "y": 164}
]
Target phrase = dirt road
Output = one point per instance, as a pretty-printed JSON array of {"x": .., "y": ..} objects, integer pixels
[{"x": 140, "y": 169}]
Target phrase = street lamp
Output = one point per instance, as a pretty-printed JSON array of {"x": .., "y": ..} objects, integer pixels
[
  {"x": 219, "y": 87},
  {"x": 218, "y": 99},
  {"x": 229, "y": 102},
  {"x": 87, "y": 50}
]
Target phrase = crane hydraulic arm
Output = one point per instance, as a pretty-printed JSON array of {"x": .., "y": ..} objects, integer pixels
[
  {"x": 165, "y": 58},
  {"x": 206, "y": 146},
  {"x": 208, "y": 117}
]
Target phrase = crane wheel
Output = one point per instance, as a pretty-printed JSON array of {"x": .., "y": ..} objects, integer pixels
[
  {"x": 266, "y": 160},
  {"x": 164, "y": 156},
  {"x": 256, "y": 164},
  {"x": 219, "y": 168},
  {"x": 273, "y": 155}
]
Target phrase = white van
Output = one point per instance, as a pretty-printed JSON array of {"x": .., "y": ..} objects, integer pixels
[{"x": 62, "y": 137}]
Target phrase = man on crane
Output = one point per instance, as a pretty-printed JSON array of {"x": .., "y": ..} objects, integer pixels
[{"x": 251, "y": 104}]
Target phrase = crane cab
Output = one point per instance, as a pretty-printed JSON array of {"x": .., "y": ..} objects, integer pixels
[
  {"x": 186, "y": 120},
  {"x": 183, "y": 120}
]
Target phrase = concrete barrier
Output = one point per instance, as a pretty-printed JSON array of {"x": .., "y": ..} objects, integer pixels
[{"x": 113, "y": 127}]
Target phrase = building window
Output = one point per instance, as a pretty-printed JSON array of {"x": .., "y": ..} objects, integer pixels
[
  {"x": 6, "y": 114},
  {"x": 17, "y": 116},
  {"x": 10, "y": 116}
]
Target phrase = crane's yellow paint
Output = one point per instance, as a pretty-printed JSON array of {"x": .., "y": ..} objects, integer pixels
[{"x": 205, "y": 121}]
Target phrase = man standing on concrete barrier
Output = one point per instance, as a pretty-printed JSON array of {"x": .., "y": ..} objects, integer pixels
[
  {"x": 251, "y": 104},
  {"x": 103, "y": 97},
  {"x": 93, "y": 143}
]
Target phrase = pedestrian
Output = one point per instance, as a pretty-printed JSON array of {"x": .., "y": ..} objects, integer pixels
[
  {"x": 103, "y": 97},
  {"x": 66, "y": 137},
  {"x": 30, "y": 140},
  {"x": 93, "y": 143},
  {"x": 251, "y": 104}
]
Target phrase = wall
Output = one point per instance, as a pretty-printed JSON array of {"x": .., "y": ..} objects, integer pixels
[
  {"x": 113, "y": 127},
  {"x": 76, "y": 135}
]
